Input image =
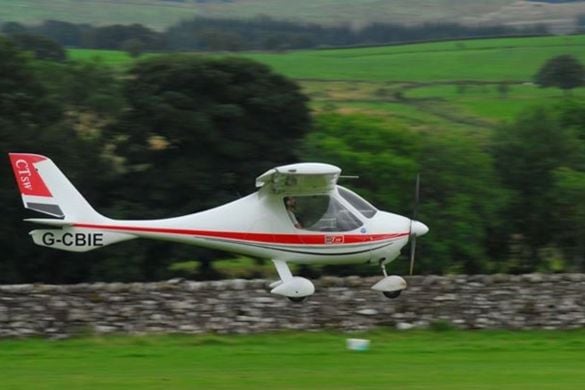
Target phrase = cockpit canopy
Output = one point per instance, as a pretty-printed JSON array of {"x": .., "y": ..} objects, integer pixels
[
  {"x": 357, "y": 202},
  {"x": 326, "y": 213}
]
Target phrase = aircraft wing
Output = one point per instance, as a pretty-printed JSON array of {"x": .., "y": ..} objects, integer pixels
[{"x": 300, "y": 179}]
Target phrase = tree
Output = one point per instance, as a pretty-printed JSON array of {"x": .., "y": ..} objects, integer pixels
[
  {"x": 10, "y": 28},
  {"x": 528, "y": 153},
  {"x": 31, "y": 120},
  {"x": 461, "y": 199},
  {"x": 23, "y": 101},
  {"x": 503, "y": 89},
  {"x": 39, "y": 46},
  {"x": 67, "y": 34},
  {"x": 115, "y": 36},
  {"x": 134, "y": 47},
  {"x": 564, "y": 72},
  {"x": 195, "y": 134},
  {"x": 570, "y": 189},
  {"x": 84, "y": 87},
  {"x": 569, "y": 205}
]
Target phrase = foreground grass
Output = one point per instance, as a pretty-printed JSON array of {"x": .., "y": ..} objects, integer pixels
[{"x": 413, "y": 360}]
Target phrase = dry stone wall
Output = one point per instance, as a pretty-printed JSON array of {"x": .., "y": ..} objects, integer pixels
[{"x": 238, "y": 306}]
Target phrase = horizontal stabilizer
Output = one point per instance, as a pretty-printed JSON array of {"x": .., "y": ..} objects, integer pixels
[{"x": 50, "y": 221}]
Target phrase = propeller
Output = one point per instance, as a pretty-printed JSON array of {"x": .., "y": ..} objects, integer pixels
[{"x": 414, "y": 233}]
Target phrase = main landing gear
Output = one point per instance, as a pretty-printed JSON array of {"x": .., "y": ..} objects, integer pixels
[
  {"x": 391, "y": 286},
  {"x": 295, "y": 288}
]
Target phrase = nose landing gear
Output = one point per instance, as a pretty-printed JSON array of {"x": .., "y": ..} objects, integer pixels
[{"x": 391, "y": 286}]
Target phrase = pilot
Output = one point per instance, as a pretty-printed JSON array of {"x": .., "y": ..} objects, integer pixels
[{"x": 291, "y": 205}]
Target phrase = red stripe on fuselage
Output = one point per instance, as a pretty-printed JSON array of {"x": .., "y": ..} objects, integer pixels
[{"x": 273, "y": 238}]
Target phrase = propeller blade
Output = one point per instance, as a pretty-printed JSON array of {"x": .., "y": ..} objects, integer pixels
[
  {"x": 412, "y": 252},
  {"x": 416, "y": 196},
  {"x": 414, "y": 214}
]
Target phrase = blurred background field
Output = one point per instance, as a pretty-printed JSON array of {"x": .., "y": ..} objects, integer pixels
[
  {"x": 512, "y": 59},
  {"x": 160, "y": 14},
  {"x": 439, "y": 359},
  {"x": 456, "y": 83},
  {"x": 482, "y": 59}
]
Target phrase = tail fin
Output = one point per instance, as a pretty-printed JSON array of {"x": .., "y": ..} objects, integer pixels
[{"x": 44, "y": 188}]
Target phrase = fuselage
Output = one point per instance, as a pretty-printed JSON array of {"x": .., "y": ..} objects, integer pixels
[{"x": 336, "y": 230}]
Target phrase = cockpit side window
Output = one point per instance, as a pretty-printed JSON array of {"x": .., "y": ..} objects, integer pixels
[
  {"x": 320, "y": 213},
  {"x": 359, "y": 203}
]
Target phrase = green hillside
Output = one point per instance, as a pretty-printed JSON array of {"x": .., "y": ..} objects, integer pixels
[
  {"x": 487, "y": 60},
  {"x": 456, "y": 83},
  {"x": 451, "y": 84}
]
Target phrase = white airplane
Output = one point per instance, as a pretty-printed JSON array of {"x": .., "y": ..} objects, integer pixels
[{"x": 298, "y": 215}]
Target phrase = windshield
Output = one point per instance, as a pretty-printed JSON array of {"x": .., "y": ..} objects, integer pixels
[
  {"x": 360, "y": 204},
  {"x": 320, "y": 213}
]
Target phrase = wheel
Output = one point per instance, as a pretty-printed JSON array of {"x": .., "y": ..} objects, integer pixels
[
  {"x": 297, "y": 299},
  {"x": 392, "y": 294}
]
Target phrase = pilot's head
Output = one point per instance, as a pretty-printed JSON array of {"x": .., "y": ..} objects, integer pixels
[{"x": 290, "y": 202}]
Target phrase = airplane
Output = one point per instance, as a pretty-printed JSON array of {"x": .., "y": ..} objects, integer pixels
[{"x": 299, "y": 214}]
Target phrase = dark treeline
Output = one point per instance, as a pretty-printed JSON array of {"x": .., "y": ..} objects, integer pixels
[{"x": 260, "y": 33}]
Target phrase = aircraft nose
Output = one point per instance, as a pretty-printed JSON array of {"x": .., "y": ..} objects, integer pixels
[{"x": 419, "y": 228}]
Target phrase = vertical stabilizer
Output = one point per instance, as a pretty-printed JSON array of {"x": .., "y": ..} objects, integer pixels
[{"x": 44, "y": 188}]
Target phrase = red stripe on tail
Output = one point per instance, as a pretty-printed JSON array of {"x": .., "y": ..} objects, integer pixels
[{"x": 28, "y": 179}]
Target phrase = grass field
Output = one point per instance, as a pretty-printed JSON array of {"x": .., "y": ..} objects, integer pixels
[
  {"x": 487, "y": 102},
  {"x": 418, "y": 84},
  {"x": 510, "y": 59},
  {"x": 426, "y": 78},
  {"x": 404, "y": 360},
  {"x": 487, "y": 60}
]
